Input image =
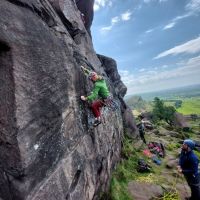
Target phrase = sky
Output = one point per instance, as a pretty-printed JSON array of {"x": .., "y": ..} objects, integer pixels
[{"x": 156, "y": 43}]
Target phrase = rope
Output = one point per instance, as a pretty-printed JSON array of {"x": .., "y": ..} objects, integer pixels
[
  {"x": 79, "y": 57},
  {"x": 184, "y": 185},
  {"x": 172, "y": 194}
]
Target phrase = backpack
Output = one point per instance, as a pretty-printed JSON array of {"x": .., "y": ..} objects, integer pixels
[{"x": 143, "y": 166}]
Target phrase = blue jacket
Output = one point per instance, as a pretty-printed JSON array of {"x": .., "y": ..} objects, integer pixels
[{"x": 189, "y": 163}]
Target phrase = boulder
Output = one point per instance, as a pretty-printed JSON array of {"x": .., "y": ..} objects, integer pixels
[
  {"x": 144, "y": 191},
  {"x": 180, "y": 121},
  {"x": 171, "y": 163},
  {"x": 183, "y": 190}
]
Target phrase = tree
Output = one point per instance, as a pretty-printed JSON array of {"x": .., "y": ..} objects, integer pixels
[
  {"x": 178, "y": 104},
  {"x": 162, "y": 112},
  {"x": 158, "y": 109},
  {"x": 169, "y": 114}
]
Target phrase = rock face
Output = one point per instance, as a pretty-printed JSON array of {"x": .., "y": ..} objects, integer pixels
[
  {"x": 47, "y": 150},
  {"x": 87, "y": 9},
  {"x": 110, "y": 67},
  {"x": 180, "y": 121}
]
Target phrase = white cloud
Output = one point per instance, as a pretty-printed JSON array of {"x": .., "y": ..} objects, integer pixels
[
  {"x": 186, "y": 73},
  {"x": 101, "y": 3},
  {"x": 105, "y": 29},
  {"x": 174, "y": 21},
  {"x": 193, "y": 6},
  {"x": 114, "y": 20},
  {"x": 149, "y": 31},
  {"x": 123, "y": 17},
  {"x": 96, "y": 7},
  {"x": 190, "y": 47},
  {"x": 126, "y": 16},
  {"x": 170, "y": 25},
  {"x": 181, "y": 17}
]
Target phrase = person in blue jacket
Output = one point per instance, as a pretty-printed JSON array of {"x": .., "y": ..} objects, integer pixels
[{"x": 188, "y": 165}]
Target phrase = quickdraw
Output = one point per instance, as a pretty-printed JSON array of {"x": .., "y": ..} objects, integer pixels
[{"x": 111, "y": 103}]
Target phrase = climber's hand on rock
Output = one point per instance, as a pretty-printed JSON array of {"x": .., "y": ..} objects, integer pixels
[{"x": 83, "y": 98}]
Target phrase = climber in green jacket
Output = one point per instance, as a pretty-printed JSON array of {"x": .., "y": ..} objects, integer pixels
[{"x": 99, "y": 95}]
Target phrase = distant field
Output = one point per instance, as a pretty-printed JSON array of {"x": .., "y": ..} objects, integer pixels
[
  {"x": 190, "y": 106},
  {"x": 136, "y": 112}
]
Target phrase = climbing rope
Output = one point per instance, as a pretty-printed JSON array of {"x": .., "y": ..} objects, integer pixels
[
  {"x": 186, "y": 191},
  {"x": 172, "y": 194},
  {"x": 147, "y": 179},
  {"x": 82, "y": 60}
]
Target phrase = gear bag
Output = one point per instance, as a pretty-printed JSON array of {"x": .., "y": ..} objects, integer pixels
[{"x": 143, "y": 166}]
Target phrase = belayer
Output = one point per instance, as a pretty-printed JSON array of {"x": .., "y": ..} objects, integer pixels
[
  {"x": 188, "y": 165},
  {"x": 141, "y": 128},
  {"x": 99, "y": 96}
]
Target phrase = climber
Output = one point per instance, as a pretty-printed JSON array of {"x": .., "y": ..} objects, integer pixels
[
  {"x": 100, "y": 90},
  {"x": 188, "y": 165}
]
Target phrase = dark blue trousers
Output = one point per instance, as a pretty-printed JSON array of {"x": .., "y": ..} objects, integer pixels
[{"x": 194, "y": 183}]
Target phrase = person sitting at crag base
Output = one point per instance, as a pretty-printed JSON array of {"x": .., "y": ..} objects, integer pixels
[{"x": 99, "y": 93}]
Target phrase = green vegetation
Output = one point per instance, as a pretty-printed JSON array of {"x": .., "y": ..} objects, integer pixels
[
  {"x": 176, "y": 93},
  {"x": 172, "y": 146},
  {"x": 186, "y": 100},
  {"x": 162, "y": 112},
  {"x": 197, "y": 153},
  {"x": 190, "y": 106},
  {"x": 125, "y": 172}
]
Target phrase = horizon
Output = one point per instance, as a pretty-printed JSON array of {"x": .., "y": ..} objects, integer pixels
[
  {"x": 162, "y": 91},
  {"x": 155, "y": 91},
  {"x": 151, "y": 46}
]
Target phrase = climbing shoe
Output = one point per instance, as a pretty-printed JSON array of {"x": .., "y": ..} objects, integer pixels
[{"x": 96, "y": 122}]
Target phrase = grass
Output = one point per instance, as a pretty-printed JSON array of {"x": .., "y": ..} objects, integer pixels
[
  {"x": 190, "y": 106},
  {"x": 197, "y": 153},
  {"x": 172, "y": 146},
  {"x": 126, "y": 172}
]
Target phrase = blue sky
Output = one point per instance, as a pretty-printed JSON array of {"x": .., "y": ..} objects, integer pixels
[{"x": 156, "y": 43}]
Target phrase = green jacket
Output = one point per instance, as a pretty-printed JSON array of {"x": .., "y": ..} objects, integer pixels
[{"x": 100, "y": 90}]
